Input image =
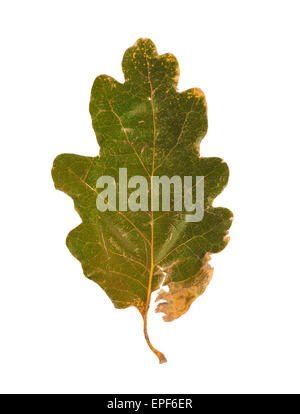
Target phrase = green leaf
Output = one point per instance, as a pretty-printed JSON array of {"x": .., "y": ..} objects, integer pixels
[{"x": 148, "y": 127}]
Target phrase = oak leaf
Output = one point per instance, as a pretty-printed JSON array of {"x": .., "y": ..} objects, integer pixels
[{"x": 148, "y": 127}]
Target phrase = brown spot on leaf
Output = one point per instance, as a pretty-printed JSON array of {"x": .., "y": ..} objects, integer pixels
[{"x": 182, "y": 294}]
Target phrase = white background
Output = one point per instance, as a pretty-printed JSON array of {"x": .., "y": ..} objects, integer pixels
[{"x": 59, "y": 332}]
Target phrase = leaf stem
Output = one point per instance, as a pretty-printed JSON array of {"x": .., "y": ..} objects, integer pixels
[{"x": 159, "y": 354}]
